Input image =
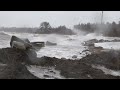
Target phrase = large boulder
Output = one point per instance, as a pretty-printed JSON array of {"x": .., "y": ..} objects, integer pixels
[{"x": 19, "y": 43}]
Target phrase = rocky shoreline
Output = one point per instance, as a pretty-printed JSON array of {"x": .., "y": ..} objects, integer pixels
[
  {"x": 81, "y": 69},
  {"x": 13, "y": 65}
]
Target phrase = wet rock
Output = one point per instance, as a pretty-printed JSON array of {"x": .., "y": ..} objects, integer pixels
[
  {"x": 9, "y": 55},
  {"x": 19, "y": 43},
  {"x": 70, "y": 39},
  {"x": 63, "y": 58},
  {"x": 85, "y": 51},
  {"x": 102, "y": 40},
  {"x": 38, "y": 44},
  {"x": 52, "y": 72},
  {"x": 46, "y": 76},
  {"x": 75, "y": 56},
  {"x": 116, "y": 40},
  {"x": 32, "y": 55},
  {"x": 50, "y": 43},
  {"x": 90, "y": 42},
  {"x": 12, "y": 66}
]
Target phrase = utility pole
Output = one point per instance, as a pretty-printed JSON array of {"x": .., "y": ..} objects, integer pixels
[{"x": 102, "y": 18}]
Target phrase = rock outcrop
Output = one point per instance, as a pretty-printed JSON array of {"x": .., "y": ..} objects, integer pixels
[
  {"x": 14, "y": 61},
  {"x": 19, "y": 43}
]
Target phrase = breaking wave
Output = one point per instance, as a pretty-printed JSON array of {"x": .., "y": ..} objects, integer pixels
[{"x": 68, "y": 46}]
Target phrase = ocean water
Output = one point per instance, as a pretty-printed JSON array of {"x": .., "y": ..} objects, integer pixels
[
  {"x": 67, "y": 45},
  {"x": 109, "y": 45}
]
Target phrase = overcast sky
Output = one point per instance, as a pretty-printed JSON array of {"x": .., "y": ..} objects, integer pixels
[{"x": 55, "y": 18}]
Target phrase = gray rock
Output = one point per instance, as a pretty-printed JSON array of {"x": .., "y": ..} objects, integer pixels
[
  {"x": 46, "y": 76},
  {"x": 19, "y": 43},
  {"x": 50, "y": 43},
  {"x": 37, "y": 45},
  {"x": 74, "y": 56}
]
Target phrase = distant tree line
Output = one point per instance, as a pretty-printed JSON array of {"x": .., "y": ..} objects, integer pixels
[
  {"x": 18, "y": 29},
  {"x": 45, "y": 28},
  {"x": 106, "y": 29}
]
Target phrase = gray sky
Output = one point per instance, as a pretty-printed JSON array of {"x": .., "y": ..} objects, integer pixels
[{"x": 55, "y": 18}]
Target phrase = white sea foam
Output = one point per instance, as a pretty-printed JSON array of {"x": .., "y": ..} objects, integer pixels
[{"x": 67, "y": 45}]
